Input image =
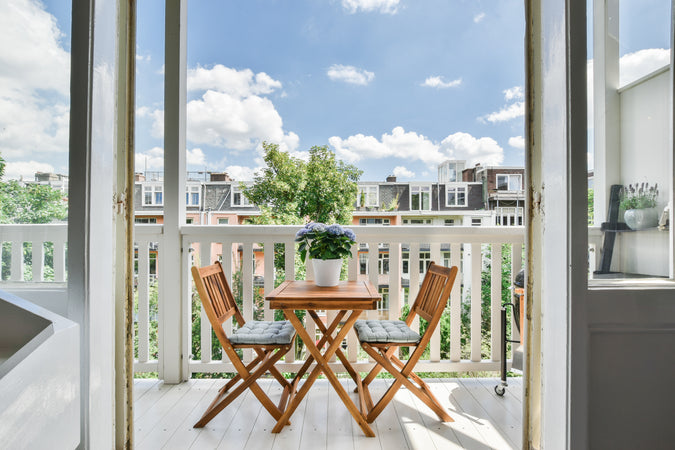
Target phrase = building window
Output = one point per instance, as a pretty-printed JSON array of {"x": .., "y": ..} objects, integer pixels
[
  {"x": 363, "y": 263},
  {"x": 189, "y": 220},
  {"x": 449, "y": 222},
  {"x": 145, "y": 220},
  {"x": 405, "y": 262},
  {"x": 223, "y": 221},
  {"x": 425, "y": 261},
  {"x": 476, "y": 221},
  {"x": 509, "y": 182},
  {"x": 383, "y": 263},
  {"x": 455, "y": 195},
  {"x": 383, "y": 304},
  {"x": 370, "y": 221},
  {"x": 238, "y": 197},
  {"x": 420, "y": 198},
  {"x": 153, "y": 195},
  {"x": 445, "y": 257},
  {"x": 417, "y": 221},
  {"x": 368, "y": 196},
  {"x": 192, "y": 195}
]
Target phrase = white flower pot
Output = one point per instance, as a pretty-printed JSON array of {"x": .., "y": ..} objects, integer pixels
[
  {"x": 327, "y": 271},
  {"x": 639, "y": 219}
]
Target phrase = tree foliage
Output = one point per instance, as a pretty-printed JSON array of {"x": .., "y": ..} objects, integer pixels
[
  {"x": 292, "y": 191},
  {"x": 32, "y": 203}
]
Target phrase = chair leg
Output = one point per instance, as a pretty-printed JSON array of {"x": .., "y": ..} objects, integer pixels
[
  {"x": 423, "y": 392},
  {"x": 248, "y": 381}
]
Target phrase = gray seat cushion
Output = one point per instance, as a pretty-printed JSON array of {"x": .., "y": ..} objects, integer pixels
[
  {"x": 264, "y": 333},
  {"x": 383, "y": 331}
]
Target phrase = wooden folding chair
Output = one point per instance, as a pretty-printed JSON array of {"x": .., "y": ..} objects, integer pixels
[
  {"x": 381, "y": 338},
  {"x": 270, "y": 341}
]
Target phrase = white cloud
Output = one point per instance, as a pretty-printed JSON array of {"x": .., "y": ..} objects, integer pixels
[
  {"x": 195, "y": 157},
  {"x": 517, "y": 142},
  {"x": 438, "y": 82},
  {"x": 25, "y": 169},
  {"x": 514, "y": 93},
  {"x": 402, "y": 172},
  {"x": 411, "y": 146},
  {"x": 383, "y": 6},
  {"x": 238, "y": 83},
  {"x": 241, "y": 173},
  {"x": 350, "y": 74},
  {"x": 153, "y": 159},
  {"x": 634, "y": 66},
  {"x": 478, "y": 17},
  {"x": 231, "y": 113},
  {"x": 34, "y": 84},
  {"x": 510, "y": 112},
  {"x": 398, "y": 144},
  {"x": 473, "y": 150}
]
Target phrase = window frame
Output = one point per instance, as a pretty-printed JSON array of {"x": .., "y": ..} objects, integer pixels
[
  {"x": 153, "y": 189},
  {"x": 455, "y": 187},
  {"x": 420, "y": 189},
  {"x": 243, "y": 200},
  {"x": 364, "y": 188},
  {"x": 508, "y": 181},
  {"x": 190, "y": 190}
]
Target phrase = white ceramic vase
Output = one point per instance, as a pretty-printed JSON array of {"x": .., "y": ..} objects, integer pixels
[
  {"x": 326, "y": 271},
  {"x": 639, "y": 219}
]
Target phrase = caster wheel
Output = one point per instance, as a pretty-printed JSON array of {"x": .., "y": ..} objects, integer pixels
[{"x": 499, "y": 390}]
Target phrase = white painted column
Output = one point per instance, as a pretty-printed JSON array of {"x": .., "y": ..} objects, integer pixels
[
  {"x": 175, "y": 85},
  {"x": 92, "y": 142}
]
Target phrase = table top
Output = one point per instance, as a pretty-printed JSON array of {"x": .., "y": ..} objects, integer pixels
[{"x": 307, "y": 295}]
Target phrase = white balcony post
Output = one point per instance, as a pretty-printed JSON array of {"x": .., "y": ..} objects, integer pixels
[{"x": 175, "y": 88}]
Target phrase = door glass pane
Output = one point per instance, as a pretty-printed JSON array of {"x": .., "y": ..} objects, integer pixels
[
  {"x": 34, "y": 140},
  {"x": 629, "y": 140}
]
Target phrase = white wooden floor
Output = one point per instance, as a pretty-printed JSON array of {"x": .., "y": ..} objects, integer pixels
[{"x": 164, "y": 415}]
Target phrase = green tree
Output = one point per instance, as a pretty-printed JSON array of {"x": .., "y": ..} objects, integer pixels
[
  {"x": 291, "y": 191},
  {"x": 591, "y": 209},
  {"x": 32, "y": 203}
]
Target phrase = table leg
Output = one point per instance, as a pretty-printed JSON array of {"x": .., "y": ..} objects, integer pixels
[{"x": 322, "y": 366}]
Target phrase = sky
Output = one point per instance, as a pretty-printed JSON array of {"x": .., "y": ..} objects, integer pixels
[{"x": 392, "y": 86}]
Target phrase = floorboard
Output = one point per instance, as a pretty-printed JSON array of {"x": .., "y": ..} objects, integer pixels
[{"x": 165, "y": 415}]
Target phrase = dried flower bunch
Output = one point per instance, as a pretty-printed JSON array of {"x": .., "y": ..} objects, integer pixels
[
  {"x": 639, "y": 196},
  {"x": 325, "y": 241}
]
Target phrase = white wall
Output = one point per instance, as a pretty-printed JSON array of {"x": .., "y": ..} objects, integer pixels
[{"x": 645, "y": 157}]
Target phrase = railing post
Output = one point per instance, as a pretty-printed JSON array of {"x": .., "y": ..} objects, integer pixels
[
  {"x": 496, "y": 300},
  {"x": 175, "y": 88}
]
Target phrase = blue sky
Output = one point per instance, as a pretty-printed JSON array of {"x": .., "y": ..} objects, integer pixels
[{"x": 392, "y": 86}]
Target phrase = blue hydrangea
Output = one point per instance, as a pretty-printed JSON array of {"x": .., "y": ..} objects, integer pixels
[
  {"x": 301, "y": 232},
  {"x": 318, "y": 227},
  {"x": 350, "y": 234},
  {"x": 335, "y": 230}
]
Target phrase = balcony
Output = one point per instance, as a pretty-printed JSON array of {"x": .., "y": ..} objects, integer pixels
[{"x": 468, "y": 342}]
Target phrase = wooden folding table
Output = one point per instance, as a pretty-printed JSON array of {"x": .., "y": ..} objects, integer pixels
[{"x": 350, "y": 299}]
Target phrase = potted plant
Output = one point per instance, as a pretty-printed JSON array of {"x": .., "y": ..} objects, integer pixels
[
  {"x": 326, "y": 245},
  {"x": 639, "y": 205}
]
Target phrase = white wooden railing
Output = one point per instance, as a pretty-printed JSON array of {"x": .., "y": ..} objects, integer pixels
[{"x": 233, "y": 244}]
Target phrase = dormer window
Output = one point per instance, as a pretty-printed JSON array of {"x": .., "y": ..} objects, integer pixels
[
  {"x": 368, "y": 196},
  {"x": 455, "y": 195},
  {"x": 509, "y": 182},
  {"x": 420, "y": 197},
  {"x": 192, "y": 194},
  {"x": 238, "y": 197},
  {"x": 153, "y": 195}
]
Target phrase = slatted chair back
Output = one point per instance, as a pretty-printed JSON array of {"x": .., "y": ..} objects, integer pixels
[
  {"x": 433, "y": 294},
  {"x": 216, "y": 296}
]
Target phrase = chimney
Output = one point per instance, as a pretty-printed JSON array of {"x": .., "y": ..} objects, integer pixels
[
  {"x": 138, "y": 176},
  {"x": 391, "y": 179},
  {"x": 220, "y": 176}
]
